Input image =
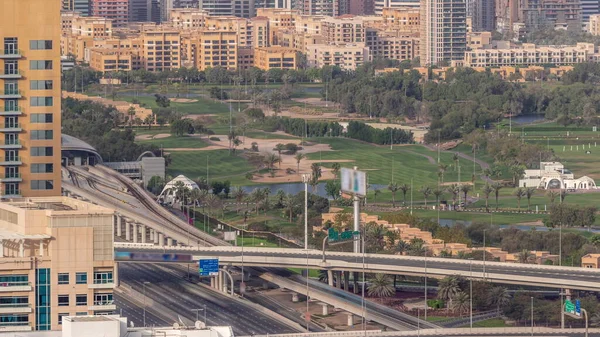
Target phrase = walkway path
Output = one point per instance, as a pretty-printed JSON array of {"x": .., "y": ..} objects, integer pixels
[{"x": 479, "y": 162}]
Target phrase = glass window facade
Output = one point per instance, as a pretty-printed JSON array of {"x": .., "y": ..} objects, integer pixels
[
  {"x": 81, "y": 278},
  {"x": 63, "y": 278},
  {"x": 42, "y": 299}
]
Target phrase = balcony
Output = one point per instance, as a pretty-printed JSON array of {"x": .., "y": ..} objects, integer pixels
[
  {"x": 15, "y": 286},
  {"x": 15, "y": 326},
  {"x": 8, "y": 161},
  {"x": 11, "y": 75},
  {"x": 15, "y": 308},
  {"x": 109, "y": 284},
  {"x": 11, "y": 178},
  {"x": 10, "y": 94},
  {"x": 11, "y": 127},
  {"x": 103, "y": 306},
  {"x": 11, "y": 54},
  {"x": 12, "y": 195},
  {"x": 11, "y": 111},
  {"x": 10, "y": 145}
]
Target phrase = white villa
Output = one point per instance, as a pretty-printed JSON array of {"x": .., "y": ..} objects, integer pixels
[{"x": 554, "y": 175}]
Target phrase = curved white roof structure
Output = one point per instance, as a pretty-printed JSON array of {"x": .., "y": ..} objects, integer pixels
[{"x": 168, "y": 192}]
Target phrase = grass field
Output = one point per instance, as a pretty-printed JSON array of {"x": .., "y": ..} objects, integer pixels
[
  {"x": 221, "y": 166},
  {"x": 176, "y": 142},
  {"x": 488, "y": 323}
]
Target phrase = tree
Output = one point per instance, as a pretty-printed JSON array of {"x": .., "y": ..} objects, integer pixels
[
  {"x": 519, "y": 193},
  {"x": 552, "y": 195},
  {"x": 375, "y": 194},
  {"x": 381, "y": 286},
  {"x": 155, "y": 184},
  {"x": 455, "y": 159},
  {"x": 516, "y": 171},
  {"x": 461, "y": 303},
  {"x": 529, "y": 192},
  {"x": 496, "y": 186},
  {"x": 438, "y": 192},
  {"x": 299, "y": 156},
  {"x": 402, "y": 247},
  {"x": 498, "y": 297},
  {"x": 332, "y": 187},
  {"x": 404, "y": 188},
  {"x": 316, "y": 173},
  {"x": 442, "y": 169},
  {"x": 290, "y": 204},
  {"x": 487, "y": 190},
  {"x": 279, "y": 147},
  {"x": 525, "y": 256},
  {"x": 448, "y": 288},
  {"x": 393, "y": 187},
  {"x": 181, "y": 127},
  {"x": 426, "y": 193},
  {"x": 465, "y": 189},
  {"x": 455, "y": 190},
  {"x": 270, "y": 159},
  {"x": 335, "y": 169},
  {"x": 239, "y": 194},
  {"x": 148, "y": 120}
]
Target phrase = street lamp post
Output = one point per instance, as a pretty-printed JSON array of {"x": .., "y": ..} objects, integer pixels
[
  {"x": 305, "y": 179},
  {"x": 484, "y": 251},
  {"x": 531, "y": 316},
  {"x": 202, "y": 309},
  {"x": 471, "y": 292},
  {"x": 144, "y": 287},
  {"x": 426, "y": 305}
]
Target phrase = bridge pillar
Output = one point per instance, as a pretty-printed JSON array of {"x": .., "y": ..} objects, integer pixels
[
  {"x": 161, "y": 239},
  {"x": 325, "y": 309},
  {"x": 295, "y": 298},
  {"x": 119, "y": 225},
  {"x": 338, "y": 279},
  {"x": 330, "y": 278},
  {"x": 350, "y": 319},
  {"x": 155, "y": 237},
  {"x": 347, "y": 280},
  {"x": 127, "y": 231},
  {"x": 151, "y": 234},
  {"x": 169, "y": 242},
  {"x": 135, "y": 232},
  {"x": 144, "y": 233},
  {"x": 355, "y": 277},
  {"x": 212, "y": 282}
]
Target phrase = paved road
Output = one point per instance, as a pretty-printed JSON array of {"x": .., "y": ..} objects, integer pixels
[
  {"x": 169, "y": 288},
  {"x": 549, "y": 276},
  {"x": 135, "y": 313}
]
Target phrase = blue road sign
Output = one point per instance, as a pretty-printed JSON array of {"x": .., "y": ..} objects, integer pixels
[
  {"x": 209, "y": 267},
  {"x": 577, "y": 308}
]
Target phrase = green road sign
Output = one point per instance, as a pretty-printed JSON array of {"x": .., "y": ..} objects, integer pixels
[
  {"x": 569, "y": 307},
  {"x": 333, "y": 235}
]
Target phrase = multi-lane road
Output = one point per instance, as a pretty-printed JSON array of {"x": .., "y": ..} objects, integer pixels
[{"x": 168, "y": 286}]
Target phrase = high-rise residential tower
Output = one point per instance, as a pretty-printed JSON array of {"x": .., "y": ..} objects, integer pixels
[
  {"x": 116, "y": 10},
  {"x": 30, "y": 98},
  {"x": 443, "y": 31},
  {"x": 81, "y": 6}
]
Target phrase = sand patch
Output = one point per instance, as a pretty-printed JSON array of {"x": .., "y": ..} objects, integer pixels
[{"x": 183, "y": 100}]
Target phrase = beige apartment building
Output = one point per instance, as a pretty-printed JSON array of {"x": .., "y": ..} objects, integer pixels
[
  {"x": 57, "y": 261},
  {"x": 343, "y": 29},
  {"x": 266, "y": 58},
  {"x": 346, "y": 56},
  {"x": 30, "y": 98},
  {"x": 161, "y": 50},
  {"x": 403, "y": 19},
  {"x": 529, "y": 54},
  {"x": 389, "y": 45},
  {"x": 594, "y": 25}
]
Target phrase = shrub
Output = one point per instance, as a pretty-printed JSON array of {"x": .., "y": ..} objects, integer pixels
[{"x": 215, "y": 139}]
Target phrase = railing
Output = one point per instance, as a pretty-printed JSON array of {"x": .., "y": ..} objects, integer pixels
[
  {"x": 14, "y": 323},
  {"x": 11, "y": 52},
  {"x": 14, "y": 158},
  {"x": 11, "y": 142},
  {"x": 15, "y": 305},
  {"x": 11, "y": 92},
  {"x": 11, "y": 126},
  {"x": 108, "y": 281},
  {"x": 14, "y": 284},
  {"x": 12, "y": 176},
  {"x": 17, "y": 72},
  {"x": 12, "y": 109},
  {"x": 111, "y": 302},
  {"x": 15, "y": 192}
]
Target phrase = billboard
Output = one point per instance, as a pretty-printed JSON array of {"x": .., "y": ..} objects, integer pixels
[
  {"x": 354, "y": 182},
  {"x": 208, "y": 267}
]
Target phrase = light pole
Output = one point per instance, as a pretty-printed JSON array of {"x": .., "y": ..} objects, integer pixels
[
  {"x": 426, "y": 286},
  {"x": 531, "y": 316},
  {"x": 471, "y": 292},
  {"x": 203, "y": 309},
  {"x": 305, "y": 179},
  {"x": 484, "y": 251},
  {"x": 144, "y": 287}
]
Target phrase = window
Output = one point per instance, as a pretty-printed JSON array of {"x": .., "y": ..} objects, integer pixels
[
  {"x": 40, "y": 64},
  {"x": 42, "y": 101},
  {"x": 42, "y": 185},
  {"x": 41, "y": 85},
  {"x": 40, "y": 44},
  {"x": 81, "y": 299},
  {"x": 81, "y": 313},
  {"x": 60, "y": 317},
  {"x": 42, "y": 168},
  {"x": 103, "y": 299},
  {"x": 81, "y": 278},
  {"x": 103, "y": 277},
  {"x": 63, "y": 300},
  {"x": 41, "y": 118},
  {"x": 14, "y": 319},
  {"x": 41, "y": 134},
  {"x": 42, "y": 151},
  {"x": 14, "y": 301},
  {"x": 63, "y": 278},
  {"x": 14, "y": 280}
]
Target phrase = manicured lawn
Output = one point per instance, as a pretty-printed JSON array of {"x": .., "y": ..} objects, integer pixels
[
  {"x": 201, "y": 107},
  {"x": 254, "y": 242},
  {"x": 176, "y": 142},
  {"x": 221, "y": 166},
  {"x": 495, "y": 218},
  {"x": 267, "y": 135},
  {"x": 488, "y": 323},
  {"x": 436, "y": 318},
  {"x": 311, "y": 273}
]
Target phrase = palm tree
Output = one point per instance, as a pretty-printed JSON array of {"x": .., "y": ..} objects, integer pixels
[
  {"x": 239, "y": 194},
  {"x": 375, "y": 194},
  {"x": 426, "y": 193},
  {"x": 461, "y": 303},
  {"x": 442, "y": 168},
  {"x": 465, "y": 189},
  {"x": 270, "y": 159},
  {"x": 256, "y": 197},
  {"x": 299, "y": 156},
  {"x": 529, "y": 191},
  {"x": 404, "y": 188},
  {"x": 455, "y": 190},
  {"x": 289, "y": 202},
  {"x": 496, "y": 186},
  {"x": 335, "y": 169},
  {"x": 381, "y": 286},
  {"x": 402, "y": 247},
  {"x": 279, "y": 147},
  {"x": 438, "y": 192},
  {"x": 374, "y": 236},
  {"x": 516, "y": 171},
  {"x": 237, "y": 142},
  {"x": 393, "y": 187},
  {"x": 487, "y": 190},
  {"x": 448, "y": 288},
  {"x": 315, "y": 175},
  {"x": 519, "y": 193},
  {"x": 280, "y": 196},
  {"x": 323, "y": 276},
  {"x": 552, "y": 195},
  {"x": 455, "y": 159},
  {"x": 595, "y": 319},
  {"x": 525, "y": 256},
  {"x": 498, "y": 297},
  {"x": 212, "y": 201}
]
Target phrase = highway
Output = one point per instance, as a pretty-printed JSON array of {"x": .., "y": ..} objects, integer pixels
[
  {"x": 497, "y": 272},
  {"x": 168, "y": 286},
  {"x": 480, "y": 332}
]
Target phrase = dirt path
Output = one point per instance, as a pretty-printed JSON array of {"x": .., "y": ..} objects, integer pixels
[
  {"x": 479, "y": 162},
  {"x": 429, "y": 158}
]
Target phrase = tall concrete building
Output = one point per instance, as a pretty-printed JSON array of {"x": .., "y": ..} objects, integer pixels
[
  {"x": 443, "y": 31},
  {"x": 589, "y": 7},
  {"x": 379, "y": 5},
  {"x": 139, "y": 10},
  {"x": 239, "y": 8},
  {"x": 30, "y": 98},
  {"x": 81, "y": 6},
  {"x": 481, "y": 14},
  {"x": 116, "y": 10}
]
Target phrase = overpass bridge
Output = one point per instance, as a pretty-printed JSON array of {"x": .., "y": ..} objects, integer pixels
[{"x": 496, "y": 272}]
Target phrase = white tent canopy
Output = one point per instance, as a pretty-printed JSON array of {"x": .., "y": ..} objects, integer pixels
[{"x": 169, "y": 191}]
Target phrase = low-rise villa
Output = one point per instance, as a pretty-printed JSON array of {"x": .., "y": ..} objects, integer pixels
[{"x": 554, "y": 175}]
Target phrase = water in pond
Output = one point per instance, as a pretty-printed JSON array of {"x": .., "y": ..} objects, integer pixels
[
  {"x": 295, "y": 188},
  {"x": 527, "y": 119}
]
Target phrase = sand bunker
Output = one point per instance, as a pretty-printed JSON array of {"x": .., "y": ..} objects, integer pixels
[{"x": 183, "y": 100}]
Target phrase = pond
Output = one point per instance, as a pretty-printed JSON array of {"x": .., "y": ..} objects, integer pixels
[
  {"x": 527, "y": 119},
  {"x": 295, "y": 188}
]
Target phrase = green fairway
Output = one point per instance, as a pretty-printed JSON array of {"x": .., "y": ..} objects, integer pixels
[
  {"x": 176, "y": 142},
  {"x": 201, "y": 107},
  {"x": 221, "y": 165},
  {"x": 495, "y": 218},
  {"x": 254, "y": 242}
]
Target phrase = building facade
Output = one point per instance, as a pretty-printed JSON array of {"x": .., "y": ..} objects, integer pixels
[
  {"x": 116, "y": 10},
  {"x": 443, "y": 31},
  {"x": 30, "y": 98},
  {"x": 57, "y": 261},
  {"x": 81, "y": 6}
]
